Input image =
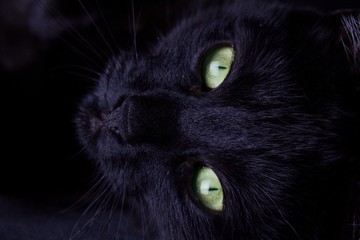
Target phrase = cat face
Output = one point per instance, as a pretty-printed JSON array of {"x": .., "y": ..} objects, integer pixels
[{"x": 230, "y": 127}]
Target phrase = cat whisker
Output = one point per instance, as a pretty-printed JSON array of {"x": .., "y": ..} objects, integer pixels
[
  {"x": 134, "y": 29},
  {"x": 106, "y": 24},
  {"x": 89, "y": 194},
  {"x": 351, "y": 51},
  {"x": 77, "y": 74},
  {"x": 63, "y": 23},
  {"x": 75, "y": 155},
  {"x": 143, "y": 218},
  {"x": 102, "y": 36},
  {"x": 112, "y": 198},
  {"x": 115, "y": 206},
  {"x": 104, "y": 204},
  {"x": 120, "y": 196},
  {"x": 79, "y": 67},
  {"x": 91, "y": 220},
  {"x": 112, "y": 211},
  {"x": 280, "y": 212},
  {"x": 75, "y": 233},
  {"x": 80, "y": 53}
]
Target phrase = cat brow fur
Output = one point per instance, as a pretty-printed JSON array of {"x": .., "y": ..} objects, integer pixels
[{"x": 351, "y": 25}]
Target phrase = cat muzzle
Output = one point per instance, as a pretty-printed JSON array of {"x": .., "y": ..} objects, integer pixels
[{"x": 143, "y": 119}]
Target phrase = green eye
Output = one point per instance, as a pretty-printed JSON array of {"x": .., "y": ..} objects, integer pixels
[
  {"x": 217, "y": 66},
  {"x": 207, "y": 189}
]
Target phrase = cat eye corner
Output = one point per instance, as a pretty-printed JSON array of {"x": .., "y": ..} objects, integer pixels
[{"x": 195, "y": 88}]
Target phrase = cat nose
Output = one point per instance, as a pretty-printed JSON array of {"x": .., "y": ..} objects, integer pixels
[{"x": 144, "y": 119}]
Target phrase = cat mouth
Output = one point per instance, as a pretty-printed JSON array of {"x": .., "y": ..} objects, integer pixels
[{"x": 95, "y": 124}]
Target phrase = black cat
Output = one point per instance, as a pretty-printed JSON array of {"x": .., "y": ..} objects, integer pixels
[{"x": 241, "y": 123}]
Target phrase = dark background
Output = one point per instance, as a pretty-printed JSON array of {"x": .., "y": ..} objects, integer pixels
[{"x": 50, "y": 54}]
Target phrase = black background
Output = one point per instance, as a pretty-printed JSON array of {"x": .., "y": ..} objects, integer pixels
[{"x": 43, "y": 79}]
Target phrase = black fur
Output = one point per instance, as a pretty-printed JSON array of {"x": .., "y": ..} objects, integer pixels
[{"x": 282, "y": 131}]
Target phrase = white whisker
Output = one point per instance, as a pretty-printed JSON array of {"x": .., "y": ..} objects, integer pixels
[
  {"x": 106, "y": 24},
  {"x": 134, "y": 28},
  {"x": 280, "y": 212},
  {"x": 97, "y": 28},
  {"x": 75, "y": 233},
  {"x": 65, "y": 24}
]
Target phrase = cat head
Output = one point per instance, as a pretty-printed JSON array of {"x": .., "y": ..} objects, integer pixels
[{"x": 239, "y": 123}]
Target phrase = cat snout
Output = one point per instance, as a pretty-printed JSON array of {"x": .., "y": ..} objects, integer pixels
[
  {"x": 142, "y": 119},
  {"x": 116, "y": 122}
]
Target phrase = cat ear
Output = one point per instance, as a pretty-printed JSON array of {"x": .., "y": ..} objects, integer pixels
[{"x": 349, "y": 35}]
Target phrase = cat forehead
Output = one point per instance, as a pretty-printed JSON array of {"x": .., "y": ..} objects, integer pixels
[
  {"x": 200, "y": 32},
  {"x": 223, "y": 23},
  {"x": 177, "y": 58},
  {"x": 182, "y": 50},
  {"x": 265, "y": 33}
]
